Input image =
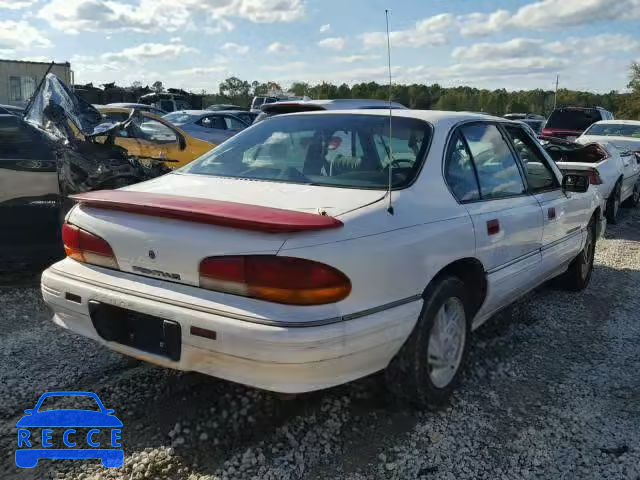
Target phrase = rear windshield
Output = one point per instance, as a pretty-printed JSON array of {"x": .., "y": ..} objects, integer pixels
[
  {"x": 614, "y": 130},
  {"x": 342, "y": 150},
  {"x": 569, "y": 119},
  {"x": 180, "y": 117}
]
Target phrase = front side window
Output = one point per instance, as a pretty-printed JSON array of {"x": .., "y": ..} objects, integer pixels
[
  {"x": 497, "y": 169},
  {"x": 346, "y": 150},
  {"x": 539, "y": 174},
  {"x": 233, "y": 123},
  {"x": 151, "y": 130}
]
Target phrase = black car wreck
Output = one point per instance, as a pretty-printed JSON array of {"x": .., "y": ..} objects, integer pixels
[{"x": 59, "y": 148}]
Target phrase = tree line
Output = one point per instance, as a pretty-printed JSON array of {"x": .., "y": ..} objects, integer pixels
[{"x": 436, "y": 97}]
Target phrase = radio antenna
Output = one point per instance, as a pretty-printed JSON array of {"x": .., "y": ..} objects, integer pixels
[{"x": 390, "y": 147}]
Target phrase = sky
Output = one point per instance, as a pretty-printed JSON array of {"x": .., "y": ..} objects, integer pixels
[{"x": 194, "y": 44}]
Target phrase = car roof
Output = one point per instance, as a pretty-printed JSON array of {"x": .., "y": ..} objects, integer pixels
[
  {"x": 442, "y": 118},
  {"x": 331, "y": 104},
  {"x": 127, "y": 104},
  {"x": 204, "y": 113},
  {"x": 618, "y": 122}
]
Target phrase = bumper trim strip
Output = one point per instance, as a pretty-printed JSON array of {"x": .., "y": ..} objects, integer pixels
[{"x": 236, "y": 316}]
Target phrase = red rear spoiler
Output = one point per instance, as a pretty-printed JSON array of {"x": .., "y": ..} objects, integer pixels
[{"x": 212, "y": 212}]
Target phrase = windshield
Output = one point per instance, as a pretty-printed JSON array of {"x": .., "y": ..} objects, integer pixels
[
  {"x": 180, "y": 117},
  {"x": 569, "y": 119},
  {"x": 343, "y": 150},
  {"x": 614, "y": 130}
]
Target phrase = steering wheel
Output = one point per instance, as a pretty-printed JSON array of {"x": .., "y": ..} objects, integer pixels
[{"x": 397, "y": 162}]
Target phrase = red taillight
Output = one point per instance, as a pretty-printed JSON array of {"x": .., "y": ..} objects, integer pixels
[
  {"x": 594, "y": 178},
  {"x": 86, "y": 247},
  {"x": 546, "y": 131},
  {"x": 288, "y": 280}
]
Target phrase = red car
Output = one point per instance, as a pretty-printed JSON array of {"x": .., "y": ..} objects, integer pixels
[{"x": 570, "y": 122}]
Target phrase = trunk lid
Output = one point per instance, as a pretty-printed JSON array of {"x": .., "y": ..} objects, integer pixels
[
  {"x": 333, "y": 201},
  {"x": 171, "y": 247}
]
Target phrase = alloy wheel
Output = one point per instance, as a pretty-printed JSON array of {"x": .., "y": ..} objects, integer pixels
[{"x": 446, "y": 342}]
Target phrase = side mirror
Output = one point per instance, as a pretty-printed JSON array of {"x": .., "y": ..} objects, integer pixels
[{"x": 572, "y": 182}]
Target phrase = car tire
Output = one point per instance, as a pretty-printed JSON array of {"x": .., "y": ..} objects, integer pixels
[
  {"x": 613, "y": 204},
  {"x": 578, "y": 275},
  {"x": 634, "y": 199},
  {"x": 427, "y": 368}
]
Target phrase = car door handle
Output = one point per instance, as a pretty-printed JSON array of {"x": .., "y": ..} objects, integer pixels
[{"x": 493, "y": 226}]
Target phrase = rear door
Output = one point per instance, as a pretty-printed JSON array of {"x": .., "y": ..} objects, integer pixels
[
  {"x": 29, "y": 194},
  {"x": 563, "y": 213},
  {"x": 483, "y": 174}
]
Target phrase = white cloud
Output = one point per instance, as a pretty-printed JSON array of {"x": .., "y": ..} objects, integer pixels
[
  {"x": 235, "y": 48},
  {"x": 283, "y": 48},
  {"x": 605, "y": 43},
  {"x": 195, "y": 71},
  {"x": 20, "y": 36},
  {"x": 550, "y": 14},
  {"x": 325, "y": 28},
  {"x": 147, "y": 51},
  {"x": 16, "y": 4},
  {"x": 428, "y": 31},
  {"x": 483, "y": 23},
  {"x": 285, "y": 67},
  {"x": 74, "y": 16},
  {"x": 528, "y": 47},
  {"x": 516, "y": 47},
  {"x": 334, "y": 43},
  {"x": 506, "y": 66},
  {"x": 355, "y": 58}
]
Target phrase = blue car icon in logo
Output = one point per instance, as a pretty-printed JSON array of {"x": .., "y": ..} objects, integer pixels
[{"x": 78, "y": 445}]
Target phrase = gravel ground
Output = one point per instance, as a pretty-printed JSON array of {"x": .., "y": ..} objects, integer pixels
[{"x": 552, "y": 391}]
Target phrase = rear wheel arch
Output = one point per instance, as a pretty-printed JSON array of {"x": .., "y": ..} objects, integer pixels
[{"x": 471, "y": 272}]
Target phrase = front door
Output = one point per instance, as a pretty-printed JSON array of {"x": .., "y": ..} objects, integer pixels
[{"x": 562, "y": 213}]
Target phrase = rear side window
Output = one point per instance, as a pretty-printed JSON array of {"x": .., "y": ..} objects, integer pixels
[
  {"x": 496, "y": 167},
  {"x": 540, "y": 177},
  {"x": 214, "y": 121},
  {"x": 460, "y": 172},
  {"x": 573, "y": 119}
]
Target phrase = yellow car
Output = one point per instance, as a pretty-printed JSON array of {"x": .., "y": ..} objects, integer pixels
[{"x": 151, "y": 137}]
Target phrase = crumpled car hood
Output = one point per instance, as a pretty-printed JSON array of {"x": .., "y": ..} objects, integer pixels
[{"x": 57, "y": 110}]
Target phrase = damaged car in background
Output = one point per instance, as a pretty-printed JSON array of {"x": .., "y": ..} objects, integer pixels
[
  {"x": 614, "y": 172},
  {"x": 61, "y": 147}
]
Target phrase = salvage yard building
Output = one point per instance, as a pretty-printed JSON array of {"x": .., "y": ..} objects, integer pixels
[{"x": 19, "y": 79}]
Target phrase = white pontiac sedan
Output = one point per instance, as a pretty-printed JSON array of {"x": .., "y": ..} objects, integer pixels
[{"x": 281, "y": 259}]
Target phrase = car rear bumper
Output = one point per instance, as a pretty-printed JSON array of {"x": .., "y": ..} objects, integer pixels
[{"x": 278, "y": 358}]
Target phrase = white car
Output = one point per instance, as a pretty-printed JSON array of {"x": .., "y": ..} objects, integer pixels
[
  {"x": 614, "y": 172},
  {"x": 622, "y": 134},
  {"x": 282, "y": 260}
]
